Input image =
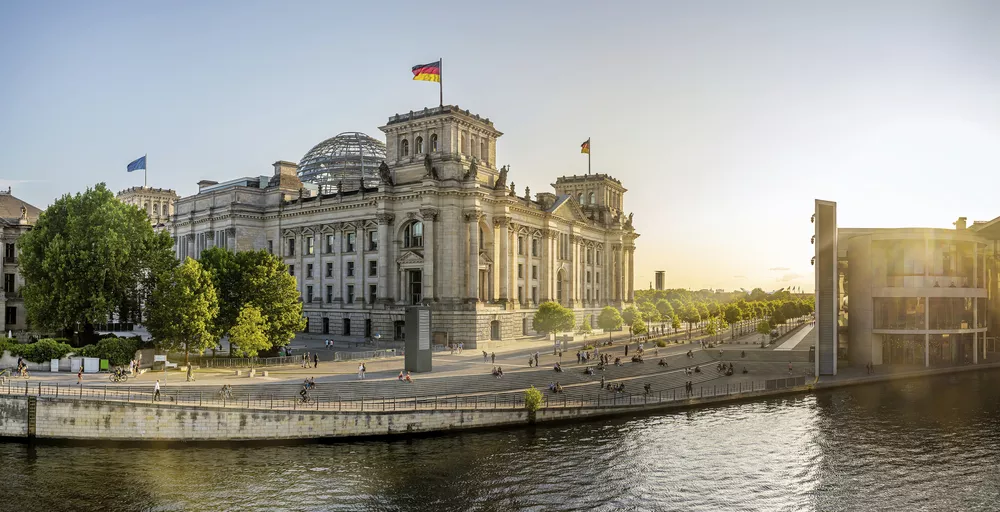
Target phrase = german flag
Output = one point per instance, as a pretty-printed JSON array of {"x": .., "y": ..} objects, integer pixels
[
  {"x": 585, "y": 147},
  {"x": 428, "y": 72}
]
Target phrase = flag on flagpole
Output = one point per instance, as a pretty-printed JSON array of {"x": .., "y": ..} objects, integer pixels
[
  {"x": 430, "y": 72},
  {"x": 138, "y": 164},
  {"x": 585, "y": 147}
]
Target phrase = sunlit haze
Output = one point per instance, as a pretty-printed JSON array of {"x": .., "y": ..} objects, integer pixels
[{"x": 725, "y": 120}]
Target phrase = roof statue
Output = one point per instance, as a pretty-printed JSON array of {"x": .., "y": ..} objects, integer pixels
[
  {"x": 432, "y": 171},
  {"x": 502, "y": 179},
  {"x": 628, "y": 223},
  {"x": 512, "y": 193},
  {"x": 473, "y": 172},
  {"x": 384, "y": 174},
  {"x": 24, "y": 212},
  {"x": 527, "y": 193}
]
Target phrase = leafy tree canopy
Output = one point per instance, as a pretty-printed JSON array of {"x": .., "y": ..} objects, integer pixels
[
  {"x": 183, "y": 308},
  {"x": 250, "y": 332},
  {"x": 629, "y": 315},
  {"x": 552, "y": 317},
  {"x": 90, "y": 257}
]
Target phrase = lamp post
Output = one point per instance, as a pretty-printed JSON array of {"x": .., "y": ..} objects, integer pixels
[{"x": 376, "y": 337}]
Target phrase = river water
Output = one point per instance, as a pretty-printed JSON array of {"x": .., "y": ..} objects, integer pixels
[{"x": 917, "y": 445}]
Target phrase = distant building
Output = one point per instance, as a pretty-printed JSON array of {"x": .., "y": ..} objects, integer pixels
[
  {"x": 906, "y": 296},
  {"x": 158, "y": 203},
  {"x": 661, "y": 278},
  {"x": 16, "y": 218}
]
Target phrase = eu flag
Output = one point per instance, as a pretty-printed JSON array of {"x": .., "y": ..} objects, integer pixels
[{"x": 138, "y": 165}]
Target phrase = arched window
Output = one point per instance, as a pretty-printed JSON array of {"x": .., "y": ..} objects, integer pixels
[
  {"x": 483, "y": 153},
  {"x": 579, "y": 198},
  {"x": 419, "y": 145},
  {"x": 404, "y": 148},
  {"x": 145, "y": 206},
  {"x": 482, "y": 241},
  {"x": 434, "y": 142},
  {"x": 592, "y": 198},
  {"x": 413, "y": 235},
  {"x": 165, "y": 211}
]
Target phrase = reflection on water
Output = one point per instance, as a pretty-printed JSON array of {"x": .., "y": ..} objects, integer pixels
[{"x": 915, "y": 445}]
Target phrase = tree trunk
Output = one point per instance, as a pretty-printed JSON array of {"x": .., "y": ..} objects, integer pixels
[{"x": 187, "y": 351}]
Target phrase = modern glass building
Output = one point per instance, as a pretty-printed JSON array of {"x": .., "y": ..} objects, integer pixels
[{"x": 915, "y": 296}]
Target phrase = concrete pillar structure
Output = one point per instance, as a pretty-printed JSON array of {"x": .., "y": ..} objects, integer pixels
[{"x": 429, "y": 276}]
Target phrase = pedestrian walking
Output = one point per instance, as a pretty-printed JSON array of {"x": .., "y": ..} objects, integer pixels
[
  {"x": 789, "y": 367},
  {"x": 361, "y": 371},
  {"x": 79, "y": 375},
  {"x": 536, "y": 358},
  {"x": 156, "y": 390},
  {"x": 486, "y": 357},
  {"x": 602, "y": 382},
  {"x": 626, "y": 350},
  {"x": 493, "y": 357},
  {"x": 364, "y": 370},
  {"x": 316, "y": 360}
]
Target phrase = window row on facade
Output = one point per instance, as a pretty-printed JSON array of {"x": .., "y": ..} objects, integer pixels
[
  {"x": 938, "y": 263},
  {"x": 471, "y": 146},
  {"x": 939, "y": 312}
]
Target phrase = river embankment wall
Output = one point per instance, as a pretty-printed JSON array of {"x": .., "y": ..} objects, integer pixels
[{"x": 98, "y": 420}]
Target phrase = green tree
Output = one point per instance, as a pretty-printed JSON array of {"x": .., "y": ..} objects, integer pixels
[
  {"x": 629, "y": 315},
  {"x": 675, "y": 322},
  {"x": 690, "y": 315},
  {"x": 552, "y": 318},
  {"x": 90, "y": 257},
  {"x": 732, "y": 314},
  {"x": 763, "y": 328},
  {"x": 585, "y": 326},
  {"x": 609, "y": 320},
  {"x": 532, "y": 399},
  {"x": 258, "y": 279},
  {"x": 249, "y": 335},
  {"x": 665, "y": 309},
  {"x": 639, "y": 326},
  {"x": 182, "y": 308},
  {"x": 649, "y": 312},
  {"x": 710, "y": 327},
  {"x": 703, "y": 311}
]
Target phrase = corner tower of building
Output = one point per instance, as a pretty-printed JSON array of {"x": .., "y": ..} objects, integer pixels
[{"x": 446, "y": 138}]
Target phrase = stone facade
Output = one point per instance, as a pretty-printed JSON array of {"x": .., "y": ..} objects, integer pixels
[
  {"x": 158, "y": 203},
  {"x": 444, "y": 228},
  {"x": 16, "y": 218}
]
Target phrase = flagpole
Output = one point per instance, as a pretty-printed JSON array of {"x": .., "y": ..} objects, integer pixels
[
  {"x": 589, "y": 149},
  {"x": 144, "y": 172},
  {"x": 441, "y": 81}
]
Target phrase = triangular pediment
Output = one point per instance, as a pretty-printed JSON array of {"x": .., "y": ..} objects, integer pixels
[
  {"x": 289, "y": 233},
  {"x": 568, "y": 208},
  {"x": 410, "y": 257},
  {"x": 484, "y": 257}
]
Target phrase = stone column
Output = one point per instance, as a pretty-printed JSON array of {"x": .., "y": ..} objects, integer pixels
[
  {"x": 430, "y": 216},
  {"x": 384, "y": 223},
  {"x": 338, "y": 251},
  {"x": 570, "y": 296},
  {"x": 631, "y": 274},
  {"x": 472, "y": 292},
  {"x": 500, "y": 225}
]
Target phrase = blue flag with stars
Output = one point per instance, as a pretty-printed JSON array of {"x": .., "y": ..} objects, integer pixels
[{"x": 138, "y": 164}]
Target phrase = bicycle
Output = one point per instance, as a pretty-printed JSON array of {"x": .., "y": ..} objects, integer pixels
[
  {"x": 24, "y": 373},
  {"x": 226, "y": 392},
  {"x": 119, "y": 375},
  {"x": 306, "y": 399}
]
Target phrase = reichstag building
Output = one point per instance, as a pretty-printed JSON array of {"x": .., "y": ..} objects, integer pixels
[{"x": 369, "y": 228}]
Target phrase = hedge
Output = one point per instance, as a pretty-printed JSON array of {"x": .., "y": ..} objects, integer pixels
[
  {"x": 118, "y": 351},
  {"x": 41, "y": 351}
]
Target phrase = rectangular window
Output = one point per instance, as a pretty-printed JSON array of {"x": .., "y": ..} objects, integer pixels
[
  {"x": 8, "y": 252},
  {"x": 329, "y": 244},
  {"x": 534, "y": 247},
  {"x": 291, "y": 247},
  {"x": 309, "y": 245},
  {"x": 534, "y": 294},
  {"x": 350, "y": 294},
  {"x": 309, "y": 293},
  {"x": 416, "y": 286},
  {"x": 270, "y": 246},
  {"x": 368, "y": 327},
  {"x": 329, "y": 294},
  {"x": 309, "y": 270},
  {"x": 598, "y": 257},
  {"x": 291, "y": 270},
  {"x": 520, "y": 294},
  {"x": 372, "y": 292},
  {"x": 589, "y": 256},
  {"x": 8, "y": 283},
  {"x": 520, "y": 245},
  {"x": 597, "y": 277},
  {"x": 350, "y": 242},
  {"x": 372, "y": 268},
  {"x": 588, "y": 276},
  {"x": 10, "y": 315},
  {"x": 373, "y": 240},
  {"x": 347, "y": 327},
  {"x": 350, "y": 269},
  {"x": 534, "y": 271},
  {"x": 329, "y": 270},
  {"x": 520, "y": 271}
]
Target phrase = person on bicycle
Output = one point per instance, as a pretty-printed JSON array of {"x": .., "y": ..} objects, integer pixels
[{"x": 304, "y": 393}]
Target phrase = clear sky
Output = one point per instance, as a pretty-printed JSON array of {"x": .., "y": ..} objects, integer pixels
[{"x": 723, "y": 119}]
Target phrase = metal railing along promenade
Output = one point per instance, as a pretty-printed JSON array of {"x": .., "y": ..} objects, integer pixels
[
  {"x": 511, "y": 400},
  {"x": 244, "y": 362},
  {"x": 368, "y": 354}
]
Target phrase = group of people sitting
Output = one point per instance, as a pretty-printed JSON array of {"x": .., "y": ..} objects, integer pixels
[
  {"x": 589, "y": 371},
  {"x": 663, "y": 362},
  {"x": 690, "y": 354},
  {"x": 497, "y": 372},
  {"x": 637, "y": 358},
  {"x": 404, "y": 378},
  {"x": 689, "y": 371},
  {"x": 617, "y": 387},
  {"x": 557, "y": 367},
  {"x": 556, "y": 388}
]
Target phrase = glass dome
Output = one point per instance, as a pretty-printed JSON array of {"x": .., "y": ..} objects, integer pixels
[{"x": 350, "y": 157}]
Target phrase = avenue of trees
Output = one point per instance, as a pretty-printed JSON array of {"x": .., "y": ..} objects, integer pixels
[{"x": 91, "y": 258}]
